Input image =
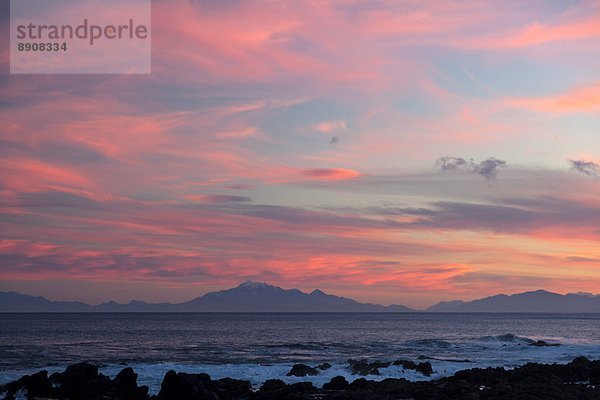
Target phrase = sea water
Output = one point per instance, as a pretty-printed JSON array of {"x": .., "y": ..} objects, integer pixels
[{"x": 263, "y": 346}]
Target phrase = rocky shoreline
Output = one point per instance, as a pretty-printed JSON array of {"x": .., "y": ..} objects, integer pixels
[{"x": 579, "y": 379}]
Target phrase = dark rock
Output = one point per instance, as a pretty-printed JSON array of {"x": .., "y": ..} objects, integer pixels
[
  {"x": 79, "y": 382},
  {"x": 37, "y": 385},
  {"x": 182, "y": 386},
  {"x": 275, "y": 389},
  {"x": 466, "y": 360},
  {"x": 273, "y": 385},
  {"x": 482, "y": 376},
  {"x": 233, "y": 389},
  {"x": 337, "y": 383},
  {"x": 125, "y": 386},
  {"x": 82, "y": 381},
  {"x": 82, "y": 371},
  {"x": 302, "y": 387},
  {"x": 363, "y": 367},
  {"x": 360, "y": 383},
  {"x": 577, "y": 380},
  {"x": 302, "y": 370},
  {"x": 541, "y": 343},
  {"x": 458, "y": 389},
  {"x": 424, "y": 368},
  {"x": 324, "y": 366}
]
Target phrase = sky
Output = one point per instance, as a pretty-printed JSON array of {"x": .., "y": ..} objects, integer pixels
[{"x": 393, "y": 152}]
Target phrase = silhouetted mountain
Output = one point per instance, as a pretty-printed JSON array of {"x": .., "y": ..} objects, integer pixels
[
  {"x": 134, "y": 306},
  {"x": 536, "y": 301},
  {"x": 254, "y": 296},
  {"x": 17, "y": 302},
  {"x": 262, "y": 297},
  {"x": 247, "y": 297}
]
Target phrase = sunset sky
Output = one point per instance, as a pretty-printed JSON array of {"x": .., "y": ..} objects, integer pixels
[{"x": 390, "y": 151}]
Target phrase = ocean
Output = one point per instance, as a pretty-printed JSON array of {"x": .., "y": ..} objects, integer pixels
[{"x": 261, "y": 346}]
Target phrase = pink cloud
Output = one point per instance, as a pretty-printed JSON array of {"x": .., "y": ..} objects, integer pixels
[
  {"x": 141, "y": 170},
  {"x": 536, "y": 33},
  {"x": 330, "y": 126},
  {"x": 30, "y": 175},
  {"x": 218, "y": 198},
  {"x": 580, "y": 99}
]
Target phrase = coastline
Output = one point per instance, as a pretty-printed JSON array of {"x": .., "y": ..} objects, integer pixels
[{"x": 578, "y": 379}]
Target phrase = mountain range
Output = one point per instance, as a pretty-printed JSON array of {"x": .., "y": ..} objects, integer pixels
[
  {"x": 261, "y": 297},
  {"x": 536, "y": 301}
]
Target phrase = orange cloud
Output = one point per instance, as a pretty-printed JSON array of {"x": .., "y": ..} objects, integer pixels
[{"x": 330, "y": 174}]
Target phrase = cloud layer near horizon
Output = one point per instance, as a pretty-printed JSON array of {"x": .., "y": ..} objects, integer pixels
[{"x": 296, "y": 143}]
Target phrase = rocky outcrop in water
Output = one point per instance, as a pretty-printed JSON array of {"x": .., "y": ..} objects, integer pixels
[
  {"x": 541, "y": 343},
  {"x": 425, "y": 368},
  {"x": 306, "y": 370},
  {"x": 578, "y": 380},
  {"x": 302, "y": 370},
  {"x": 364, "y": 367}
]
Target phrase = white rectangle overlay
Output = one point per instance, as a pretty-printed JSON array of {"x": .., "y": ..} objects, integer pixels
[{"x": 80, "y": 37}]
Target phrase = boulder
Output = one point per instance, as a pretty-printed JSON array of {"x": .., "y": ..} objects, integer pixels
[
  {"x": 337, "y": 383},
  {"x": 273, "y": 385},
  {"x": 37, "y": 385},
  {"x": 82, "y": 381},
  {"x": 324, "y": 366},
  {"x": 364, "y": 367},
  {"x": 124, "y": 386},
  {"x": 182, "y": 386},
  {"x": 579, "y": 379},
  {"x": 424, "y": 367},
  {"x": 541, "y": 343},
  {"x": 234, "y": 389},
  {"x": 302, "y": 370},
  {"x": 276, "y": 389}
]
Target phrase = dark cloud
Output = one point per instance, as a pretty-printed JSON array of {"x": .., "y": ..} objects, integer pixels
[
  {"x": 307, "y": 217},
  {"x": 487, "y": 168},
  {"x": 561, "y": 216},
  {"x": 382, "y": 210},
  {"x": 401, "y": 211},
  {"x": 58, "y": 152},
  {"x": 68, "y": 152},
  {"x": 583, "y": 259},
  {"x": 588, "y": 168},
  {"x": 552, "y": 214},
  {"x": 56, "y": 199},
  {"x": 334, "y": 140},
  {"x": 474, "y": 216},
  {"x": 240, "y": 186},
  {"x": 451, "y": 163}
]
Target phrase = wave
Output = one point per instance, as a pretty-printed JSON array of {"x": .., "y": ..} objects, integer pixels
[
  {"x": 507, "y": 338},
  {"x": 439, "y": 343},
  {"x": 297, "y": 346}
]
